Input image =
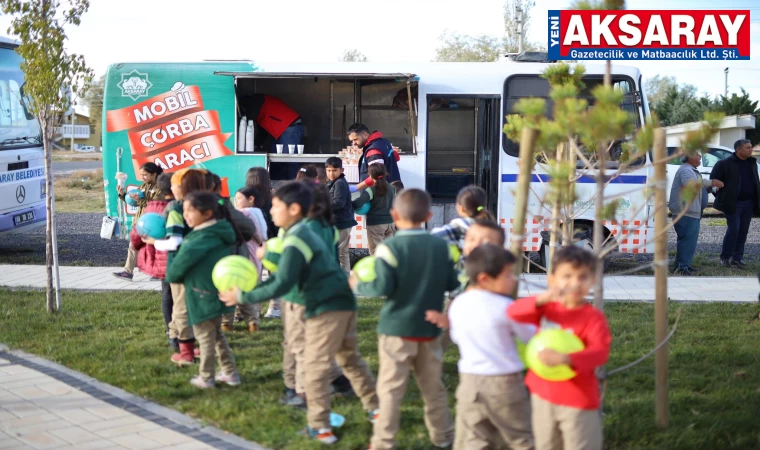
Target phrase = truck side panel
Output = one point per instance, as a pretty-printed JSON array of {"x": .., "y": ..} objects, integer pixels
[{"x": 174, "y": 115}]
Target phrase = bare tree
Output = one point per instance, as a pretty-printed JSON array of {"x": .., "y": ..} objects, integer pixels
[{"x": 353, "y": 55}]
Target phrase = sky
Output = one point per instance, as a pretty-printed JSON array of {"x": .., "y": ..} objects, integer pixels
[{"x": 319, "y": 31}]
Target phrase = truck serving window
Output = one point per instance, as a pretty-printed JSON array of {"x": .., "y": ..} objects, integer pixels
[{"x": 522, "y": 86}]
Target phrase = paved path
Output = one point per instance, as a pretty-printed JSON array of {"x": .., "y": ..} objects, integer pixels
[
  {"x": 631, "y": 288},
  {"x": 44, "y": 405}
]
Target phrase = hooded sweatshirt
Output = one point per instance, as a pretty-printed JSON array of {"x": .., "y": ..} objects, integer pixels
[{"x": 201, "y": 249}]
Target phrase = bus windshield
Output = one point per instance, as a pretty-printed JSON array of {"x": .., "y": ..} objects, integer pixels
[{"x": 18, "y": 126}]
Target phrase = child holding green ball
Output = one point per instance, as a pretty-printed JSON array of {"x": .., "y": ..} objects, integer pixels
[{"x": 565, "y": 413}]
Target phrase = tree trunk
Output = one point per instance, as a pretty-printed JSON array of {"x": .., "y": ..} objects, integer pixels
[
  {"x": 556, "y": 212},
  {"x": 660, "y": 280},
  {"x": 527, "y": 146},
  {"x": 46, "y": 144},
  {"x": 599, "y": 206}
]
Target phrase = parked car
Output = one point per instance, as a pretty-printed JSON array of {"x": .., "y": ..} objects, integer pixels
[
  {"x": 85, "y": 149},
  {"x": 711, "y": 155}
]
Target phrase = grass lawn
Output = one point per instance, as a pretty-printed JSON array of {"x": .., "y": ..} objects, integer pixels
[
  {"x": 708, "y": 265},
  {"x": 72, "y": 194},
  {"x": 118, "y": 338}
]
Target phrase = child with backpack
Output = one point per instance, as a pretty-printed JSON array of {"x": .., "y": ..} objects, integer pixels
[
  {"x": 380, "y": 197},
  {"x": 153, "y": 262}
]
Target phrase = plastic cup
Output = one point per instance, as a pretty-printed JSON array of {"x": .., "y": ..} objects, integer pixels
[
  {"x": 292, "y": 149},
  {"x": 300, "y": 149},
  {"x": 279, "y": 148}
]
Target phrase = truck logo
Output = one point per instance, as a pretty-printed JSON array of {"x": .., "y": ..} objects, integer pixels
[
  {"x": 20, "y": 194},
  {"x": 134, "y": 84}
]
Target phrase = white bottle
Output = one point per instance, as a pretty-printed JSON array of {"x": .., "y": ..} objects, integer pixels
[
  {"x": 241, "y": 135},
  {"x": 249, "y": 138}
]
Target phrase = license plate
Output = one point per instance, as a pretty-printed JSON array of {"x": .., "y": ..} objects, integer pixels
[{"x": 23, "y": 218}]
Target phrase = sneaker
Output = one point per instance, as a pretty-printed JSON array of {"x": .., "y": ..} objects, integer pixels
[
  {"x": 683, "y": 271},
  {"x": 202, "y": 384},
  {"x": 289, "y": 393},
  {"x": 229, "y": 380},
  {"x": 124, "y": 275},
  {"x": 739, "y": 264},
  {"x": 373, "y": 415},
  {"x": 272, "y": 314},
  {"x": 342, "y": 387},
  {"x": 323, "y": 435},
  {"x": 296, "y": 401},
  {"x": 253, "y": 328},
  {"x": 693, "y": 269},
  {"x": 226, "y": 327},
  {"x": 239, "y": 319},
  {"x": 725, "y": 262},
  {"x": 444, "y": 444}
]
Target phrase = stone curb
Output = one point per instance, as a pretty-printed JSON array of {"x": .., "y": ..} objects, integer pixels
[{"x": 139, "y": 406}]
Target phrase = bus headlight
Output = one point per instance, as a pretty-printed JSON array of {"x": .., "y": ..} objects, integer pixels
[{"x": 43, "y": 185}]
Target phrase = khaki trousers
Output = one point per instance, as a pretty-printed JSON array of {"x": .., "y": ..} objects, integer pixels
[
  {"x": 251, "y": 313},
  {"x": 332, "y": 336},
  {"x": 557, "y": 427},
  {"x": 293, "y": 324},
  {"x": 212, "y": 342},
  {"x": 343, "y": 255},
  {"x": 492, "y": 406},
  {"x": 178, "y": 327},
  {"x": 425, "y": 360},
  {"x": 129, "y": 266},
  {"x": 377, "y": 234}
]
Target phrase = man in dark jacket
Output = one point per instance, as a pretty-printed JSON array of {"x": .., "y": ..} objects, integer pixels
[
  {"x": 374, "y": 147},
  {"x": 738, "y": 200},
  {"x": 341, "y": 206}
]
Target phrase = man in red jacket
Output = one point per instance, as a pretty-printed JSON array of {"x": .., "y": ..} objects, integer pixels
[{"x": 565, "y": 413}]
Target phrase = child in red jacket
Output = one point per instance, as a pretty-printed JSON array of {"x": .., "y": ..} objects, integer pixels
[
  {"x": 565, "y": 413},
  {"x": 153, "y": 262}
]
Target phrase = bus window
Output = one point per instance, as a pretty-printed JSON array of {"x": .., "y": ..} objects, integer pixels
[{"x": 522, "y": 86}]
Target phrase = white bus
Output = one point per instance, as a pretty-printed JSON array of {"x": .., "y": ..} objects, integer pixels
[
  {"x": 452, "y": 137},
  {"x": 22, "y": 163}
]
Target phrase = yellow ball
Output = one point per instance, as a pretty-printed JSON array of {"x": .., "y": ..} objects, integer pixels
[
  {"x": 365, "y": 269},
  {"x": 274, "y": 247},
  {"x": 454, "y": 253},
  {"x": 562, "y": 341},
  {"x": 234, "y": 271}
]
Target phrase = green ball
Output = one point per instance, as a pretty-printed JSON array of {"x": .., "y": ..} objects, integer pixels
[
  {"x": 274, "y": 247},
  {"x": 454, "y": 253},
  {"x": 365, "y": 269},
  {"x": 234, "y": 271},
  {"x": 562, "y": 341}
]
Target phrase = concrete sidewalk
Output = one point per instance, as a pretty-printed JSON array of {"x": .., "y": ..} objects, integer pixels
[
  {"x": 44, "y": 405},
  {"x": 630, "y": 288}
]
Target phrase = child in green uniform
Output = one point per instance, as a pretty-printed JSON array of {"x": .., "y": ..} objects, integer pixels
[
  {"x": 329, "y": 309},
  {"x": 414, "y": 269},
  {"x": 319, "y": 221},
  {"x": 213, "y": 237}
]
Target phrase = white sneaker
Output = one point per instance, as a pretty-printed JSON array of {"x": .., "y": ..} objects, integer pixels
[
  {"x": 272, "y": 313},
  {"x": 201, "y": 383},
  {"x": 229, "y": 380}
]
